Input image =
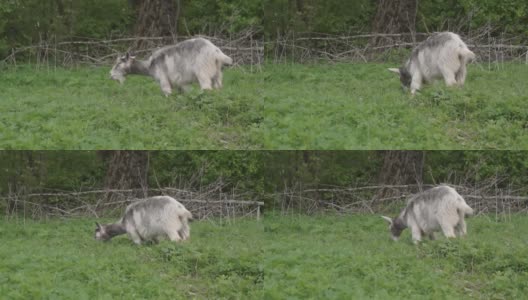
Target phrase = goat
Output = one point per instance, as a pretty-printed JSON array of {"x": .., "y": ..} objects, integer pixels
[
  {"x": 149, "y": 220},
  {"x": 443, "y": 54},
  {"x": 177, "y": 66},
  {"x": 439, "y": 208}
]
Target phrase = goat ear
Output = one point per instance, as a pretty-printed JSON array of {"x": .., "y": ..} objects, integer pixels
[
  {"x": 98, "y": 225},
  {"x": 394, "y": 70},
  {"x": 387, "y": 219}
]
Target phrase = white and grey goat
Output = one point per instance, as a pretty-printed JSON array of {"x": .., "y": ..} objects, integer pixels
[
  {"x": 438, "y": 209},
  {"x": 442, "y": 55},
  {"x": 149, "y": 220},
  {"x": 177, "y": 66}
]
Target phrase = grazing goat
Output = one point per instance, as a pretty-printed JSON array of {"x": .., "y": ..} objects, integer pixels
[
  {"x": 443, "y": 54},
  {"x": 149, "y": 220},
  {"x": 439, "y": 208},
  {"x": 177, "y": 66}
]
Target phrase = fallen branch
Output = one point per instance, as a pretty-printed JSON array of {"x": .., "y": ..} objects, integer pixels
[
  {"x": 210, "y": 202},
  {"x": 244, "y": 48}
]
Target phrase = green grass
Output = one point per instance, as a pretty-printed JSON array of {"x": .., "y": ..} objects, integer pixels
[
  {"x": 61, "y": 260},
  {"x": 83, "y": 109},
  {"x": 288, "y": 257},
  {"x": 352, "y": 257},
  {"x": 340, "y": 106},
  {"x": 361, "y": 106}
]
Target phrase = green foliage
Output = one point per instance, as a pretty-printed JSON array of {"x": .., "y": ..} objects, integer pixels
[
  {"x": 361, "y": 106},
  {"x": 28, "y": 22},
  {"x": 32, "y": 21},
  {"x": 241, "y": 169},
  {"x": 6, "y": 8},
  {"x": 83, "y": 109},
  {"x": 211, "y": 16},
  {"x": 475, "y": 166},
  {"x": 509, "y": 16},
  {"x": 101, "y": 18},
  {"x": 38, "y": 170},
  {"x": 341, "y": 17},
  {"x": 286, "y": 169},
  {"x": 352, "y": 257},
  {"x": 220, "y": 261},
  {"x": 255, "y": 173},
  {"x": 330, "y": 16}
]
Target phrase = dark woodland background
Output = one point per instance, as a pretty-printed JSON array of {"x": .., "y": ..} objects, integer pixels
[
  {"x": 297, "y": 180},
  {"x": 34, "y": 22}
]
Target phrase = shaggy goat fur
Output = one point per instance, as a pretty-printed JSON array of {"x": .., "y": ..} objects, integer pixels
[
  {"x": 178, "y": 66},
  {"x": 149, "y": 220},
  {"x": 439, "y": 208},
  {"x": 442, "y": 55}
]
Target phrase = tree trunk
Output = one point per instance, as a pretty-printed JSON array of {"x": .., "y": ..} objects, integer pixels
[
  {"x": 156, "y": 18},
  {"x": 400, "y": 168},
  {"x": 394, "y": 16},
  {"x": 126, "y": 170}
]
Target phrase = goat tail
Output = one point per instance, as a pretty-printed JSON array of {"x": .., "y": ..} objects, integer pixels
[
  {"x": 466, "y": 55},
  {"x": 224, "y": 59},
  {"x": 465, "y": 209},
  {"x": 189, "y": 216},
  {"x": 186, "y": 216}
]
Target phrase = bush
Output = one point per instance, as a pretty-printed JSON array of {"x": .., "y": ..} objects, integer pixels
[
  {"x": 508, "y": 16},
  {"x": 28, "y": 22}
]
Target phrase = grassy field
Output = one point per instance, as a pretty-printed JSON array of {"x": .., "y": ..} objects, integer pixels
[
  {"x": 361, "y": 106},
  {"x": 352, "y": 257},
  {"x": 83, "y": 109},
  {"x": 290, "y": 257},
  {"x": 61, "y": 260},
  {"x": 341, "y": 106}
]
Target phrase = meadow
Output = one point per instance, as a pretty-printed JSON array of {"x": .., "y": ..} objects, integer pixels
[
  {"x": 362, "y": 106},
  {"x": 81, "y": 108},
  {"x": 283, "y": 106},
  {"x": 280, "y": 257},
  {"x": 62, "y": 260},
  {"x": 352, "y": 257}
]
